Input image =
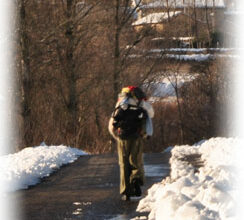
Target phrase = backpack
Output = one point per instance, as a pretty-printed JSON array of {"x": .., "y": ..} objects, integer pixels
[{"x": 128, "y": 121}]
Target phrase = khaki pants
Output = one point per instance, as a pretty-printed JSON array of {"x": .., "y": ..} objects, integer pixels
[{"x": 131, "y": 163}]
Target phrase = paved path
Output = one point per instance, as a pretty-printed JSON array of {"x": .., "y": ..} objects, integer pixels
[{"x": 87, "y": 189}]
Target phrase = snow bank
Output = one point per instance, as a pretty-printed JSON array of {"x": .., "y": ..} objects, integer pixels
[
  {"x": 205, "y": 195},
  {"x": 27, "y": 167}
]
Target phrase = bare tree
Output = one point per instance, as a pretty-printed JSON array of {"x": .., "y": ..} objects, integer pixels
[
  {"x": 25, "y": 77},
  {"x": 207, "y": 21},
  {"x": 42, "y": 41},
  {"x": 174, "y": 76},
  {"x": 123, "y": 16}
]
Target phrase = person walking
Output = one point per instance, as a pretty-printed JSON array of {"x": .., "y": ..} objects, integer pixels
[{"x": 131, "y": 121}]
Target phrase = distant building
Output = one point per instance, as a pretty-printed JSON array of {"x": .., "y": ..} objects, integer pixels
[
  {"x": 154, "y": 20},
  {"x": 202, "y": 20}
]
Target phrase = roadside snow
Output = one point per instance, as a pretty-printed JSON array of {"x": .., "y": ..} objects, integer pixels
[
  {"x": 205, "y": 195},
  {"x": 27, "y": 167}
]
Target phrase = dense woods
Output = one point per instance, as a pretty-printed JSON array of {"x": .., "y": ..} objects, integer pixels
[{"x": 73, "y": 57}]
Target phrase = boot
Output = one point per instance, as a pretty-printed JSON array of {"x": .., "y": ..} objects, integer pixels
[{"x": 137, "y": 188}]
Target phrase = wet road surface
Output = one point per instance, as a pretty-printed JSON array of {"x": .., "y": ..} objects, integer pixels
[{"x": 87, "y": 189}]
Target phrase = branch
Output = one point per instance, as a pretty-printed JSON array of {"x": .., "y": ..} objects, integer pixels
[{"x": 130, "y": 14}]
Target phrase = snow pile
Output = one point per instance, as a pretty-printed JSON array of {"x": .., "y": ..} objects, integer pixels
[
  {"x": 186, "y": 194},
  {"x": 27, "y": 167},
  {"x": 155, "y": 18}
]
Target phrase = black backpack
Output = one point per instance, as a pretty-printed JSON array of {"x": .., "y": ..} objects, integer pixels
[{"x": 128, "y": 121}]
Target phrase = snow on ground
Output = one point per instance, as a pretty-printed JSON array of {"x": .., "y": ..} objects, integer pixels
[
  {"x": 166, "y": 86},
  {"x": 205, "y": 195},
  {"x": 187, "y": 57},
  {"x": 27, "y": 167},
  {"x": 185, "y": 3},
  {"x": 165, "y": 100},
  {"x": 191, "y": 57},
  {"x": 194, "y": 50}
]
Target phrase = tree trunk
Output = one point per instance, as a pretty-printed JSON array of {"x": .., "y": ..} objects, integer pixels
[
  {"x": 70, "y": 70},
  {"x": 25, "y": 75},
  {"x": 116, "y": 71},
  {"x": 70, "y": 62},
  {"x": 168, "y": 10},
  {"x": 195, "y": 20},
  {"x": 182, "y": 138},
  {"x": 208, "y": 25}
]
